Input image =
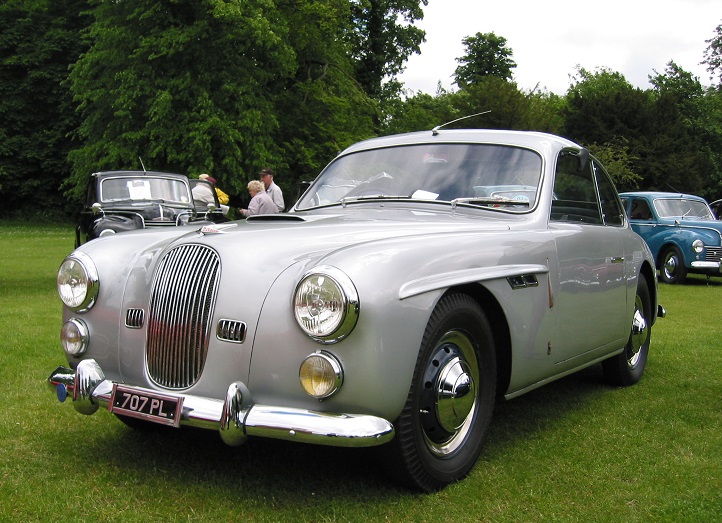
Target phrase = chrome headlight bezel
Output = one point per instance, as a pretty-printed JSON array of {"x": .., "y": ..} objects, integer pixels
[
  {"x": 320, "y": 375},
  {"x": 74, "y": 337},
  {"x": 77, "y": 282},
  {"x": 698, "y": 246},
  {"x": 326, "y": 304}
]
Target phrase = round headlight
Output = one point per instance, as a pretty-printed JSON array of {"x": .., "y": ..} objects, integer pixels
[
  {"x": 698, "y": 246},
  {"x": 326, "y": 304},
  {"x": 321, "y": 375},
  {"x": 78, "y": 282},
  {"x": 74, "y": 337}
]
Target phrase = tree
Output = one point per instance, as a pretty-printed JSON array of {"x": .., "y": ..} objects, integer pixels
[
  {"x": 38, "y": 41},
  {"x": 713, "y": 55},
  {"x": 186, "y": 85},
  {"x": 698, "y": 112},
  {"x": 486, "y": 55},
  {"x": 380, "y": 44},
  {"x": 323, "y": 108}
]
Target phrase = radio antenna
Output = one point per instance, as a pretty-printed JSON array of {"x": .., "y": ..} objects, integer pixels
[
  {"x": 435, "y": 130},
  {"x": 141, "y": 163}
]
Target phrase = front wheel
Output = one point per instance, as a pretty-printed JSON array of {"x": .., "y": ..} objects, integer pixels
[
  {"x": 441, "y": 429},
  {"x": 627, "y": 367},
  {"x": 672, "y": 269}
]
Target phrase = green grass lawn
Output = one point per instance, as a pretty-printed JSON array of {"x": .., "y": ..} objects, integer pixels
[{"x": 574, "y": 451}]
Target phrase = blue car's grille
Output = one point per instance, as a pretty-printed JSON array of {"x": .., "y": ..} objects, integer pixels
[
  {"x": 181, "y": 307},
  {"x": 714, "y": 254}
]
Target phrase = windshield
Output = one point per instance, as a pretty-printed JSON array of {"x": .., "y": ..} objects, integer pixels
[
  {"x": 145, "y": 188},
  {"x": 683, "y": 208},
  {"x": 500, "y": 176}
]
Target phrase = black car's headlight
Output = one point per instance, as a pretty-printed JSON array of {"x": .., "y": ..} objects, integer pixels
[
  {"x": 326, "y": 304},
  {"x": 78, "y": 282}
]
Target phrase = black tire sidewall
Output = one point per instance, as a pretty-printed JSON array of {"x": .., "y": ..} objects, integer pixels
[{"x": 429, "y": 471}]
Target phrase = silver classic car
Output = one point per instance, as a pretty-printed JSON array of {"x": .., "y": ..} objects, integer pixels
[{"x": 419, "y": 278}]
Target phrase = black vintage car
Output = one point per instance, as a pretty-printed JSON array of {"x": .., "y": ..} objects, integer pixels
[{"x": 119, "y": 201}]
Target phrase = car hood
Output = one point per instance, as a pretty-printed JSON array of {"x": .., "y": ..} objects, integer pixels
[{"x": 282, "y": 239}]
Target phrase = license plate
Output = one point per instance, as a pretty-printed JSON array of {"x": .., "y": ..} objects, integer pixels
[{"x": 146, "y": 405}]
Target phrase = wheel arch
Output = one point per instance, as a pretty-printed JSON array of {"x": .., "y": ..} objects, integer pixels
[
  {"x": 647, "y": 272},
  {"x": 499, "y": 325}
]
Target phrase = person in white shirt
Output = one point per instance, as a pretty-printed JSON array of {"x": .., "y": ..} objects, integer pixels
[{"x": 273, "y": 190}]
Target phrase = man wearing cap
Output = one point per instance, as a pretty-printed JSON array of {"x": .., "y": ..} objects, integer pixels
[{"x": 272, "y": 190}]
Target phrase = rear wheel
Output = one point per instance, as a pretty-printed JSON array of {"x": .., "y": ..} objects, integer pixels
[
  {"x": 440, "y": 431},
  {"x": 627, "y": 367},
  {"x": 672, "y": 269}
]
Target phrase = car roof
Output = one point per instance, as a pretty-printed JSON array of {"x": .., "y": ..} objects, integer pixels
[
  {"x": 661, "y": 194},
  {"x": 530, "y": 139},
  {"x": 150, "y": 174}
]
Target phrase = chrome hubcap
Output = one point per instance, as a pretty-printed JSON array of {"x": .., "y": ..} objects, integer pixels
[
  {"x": 670, "y": 266},
  {"x": 448, "y": 399},
  {"x": 639, "y": 332}
]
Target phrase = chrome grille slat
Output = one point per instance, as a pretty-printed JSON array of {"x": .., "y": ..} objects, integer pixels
[
  {"x": 182, "y": 296},
  {"x": 714, "y": 254}
]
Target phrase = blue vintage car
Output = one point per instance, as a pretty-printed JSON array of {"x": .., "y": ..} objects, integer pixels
[{"x": 681, "y": 232}]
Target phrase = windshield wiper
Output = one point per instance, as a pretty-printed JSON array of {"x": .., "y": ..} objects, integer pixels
[
  {"x": 348, "y": 199},
  {"x": 489, "y": 201}
]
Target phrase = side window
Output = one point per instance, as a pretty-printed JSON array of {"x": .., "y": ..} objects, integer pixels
[
  {"x": 575, "y": 192},
  {"x": 640, "y": 210},
  {"x": 612, "y": 211}
]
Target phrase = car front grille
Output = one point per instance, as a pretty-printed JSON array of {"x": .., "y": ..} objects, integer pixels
[
  {"x": 182, "y": 297},
  {"x": 714, "y": 254}
]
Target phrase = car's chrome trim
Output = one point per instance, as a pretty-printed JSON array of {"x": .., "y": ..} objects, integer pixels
[
  {"x": 233, "y": 331},
  {"x": 182, "y": 300},
  {"x": 448, "y": 279},
  {"x": 705, "y": 265},
  {"x": 235, "y": 417},
  {"x": 134, "y": 318}
]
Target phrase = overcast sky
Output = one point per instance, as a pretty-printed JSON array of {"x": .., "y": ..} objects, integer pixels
[{"x": 550, "y": 38}]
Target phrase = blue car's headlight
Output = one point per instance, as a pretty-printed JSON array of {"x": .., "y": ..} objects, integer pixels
[
  {"x": 326, "y": 304},
  {"x": 78, "y": 282}
]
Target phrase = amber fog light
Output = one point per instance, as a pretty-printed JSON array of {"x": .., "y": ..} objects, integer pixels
[
  {"x": 74, "y": 337},
  {"x": 321, "y": 375}
]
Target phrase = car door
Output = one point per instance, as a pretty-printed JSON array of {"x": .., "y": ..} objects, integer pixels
[{"x": 587, "y": 222}]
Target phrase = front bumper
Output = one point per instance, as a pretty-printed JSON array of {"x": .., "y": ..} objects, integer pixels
[
  {"x": 706, "y": 265},
  {"x": 236, "y": 417}
]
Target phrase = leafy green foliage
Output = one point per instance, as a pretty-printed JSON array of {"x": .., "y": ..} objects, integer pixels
[
  {"x": 486, "y": 55},
  {"x": 381, "y": 37},
  {"x": 186, "y": 85},
  {"x": 713, "y": 54},
  {"x": 38, "y": 41},
  {"x": 230, "y": 86}
]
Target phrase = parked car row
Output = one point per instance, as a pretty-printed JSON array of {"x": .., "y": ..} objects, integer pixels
[
  {"x": 419, "y": 278},
  {"x": 681, "y": 231}
]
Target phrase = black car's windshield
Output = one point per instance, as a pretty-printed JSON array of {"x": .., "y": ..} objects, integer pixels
[
  {"x": 145, "y": 188},
  {"x": 497, "y": 176},
  {"x": 683, "y": 208}
]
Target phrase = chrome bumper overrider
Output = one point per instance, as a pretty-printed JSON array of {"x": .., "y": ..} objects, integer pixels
[{"x": 236, "y": 417}]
